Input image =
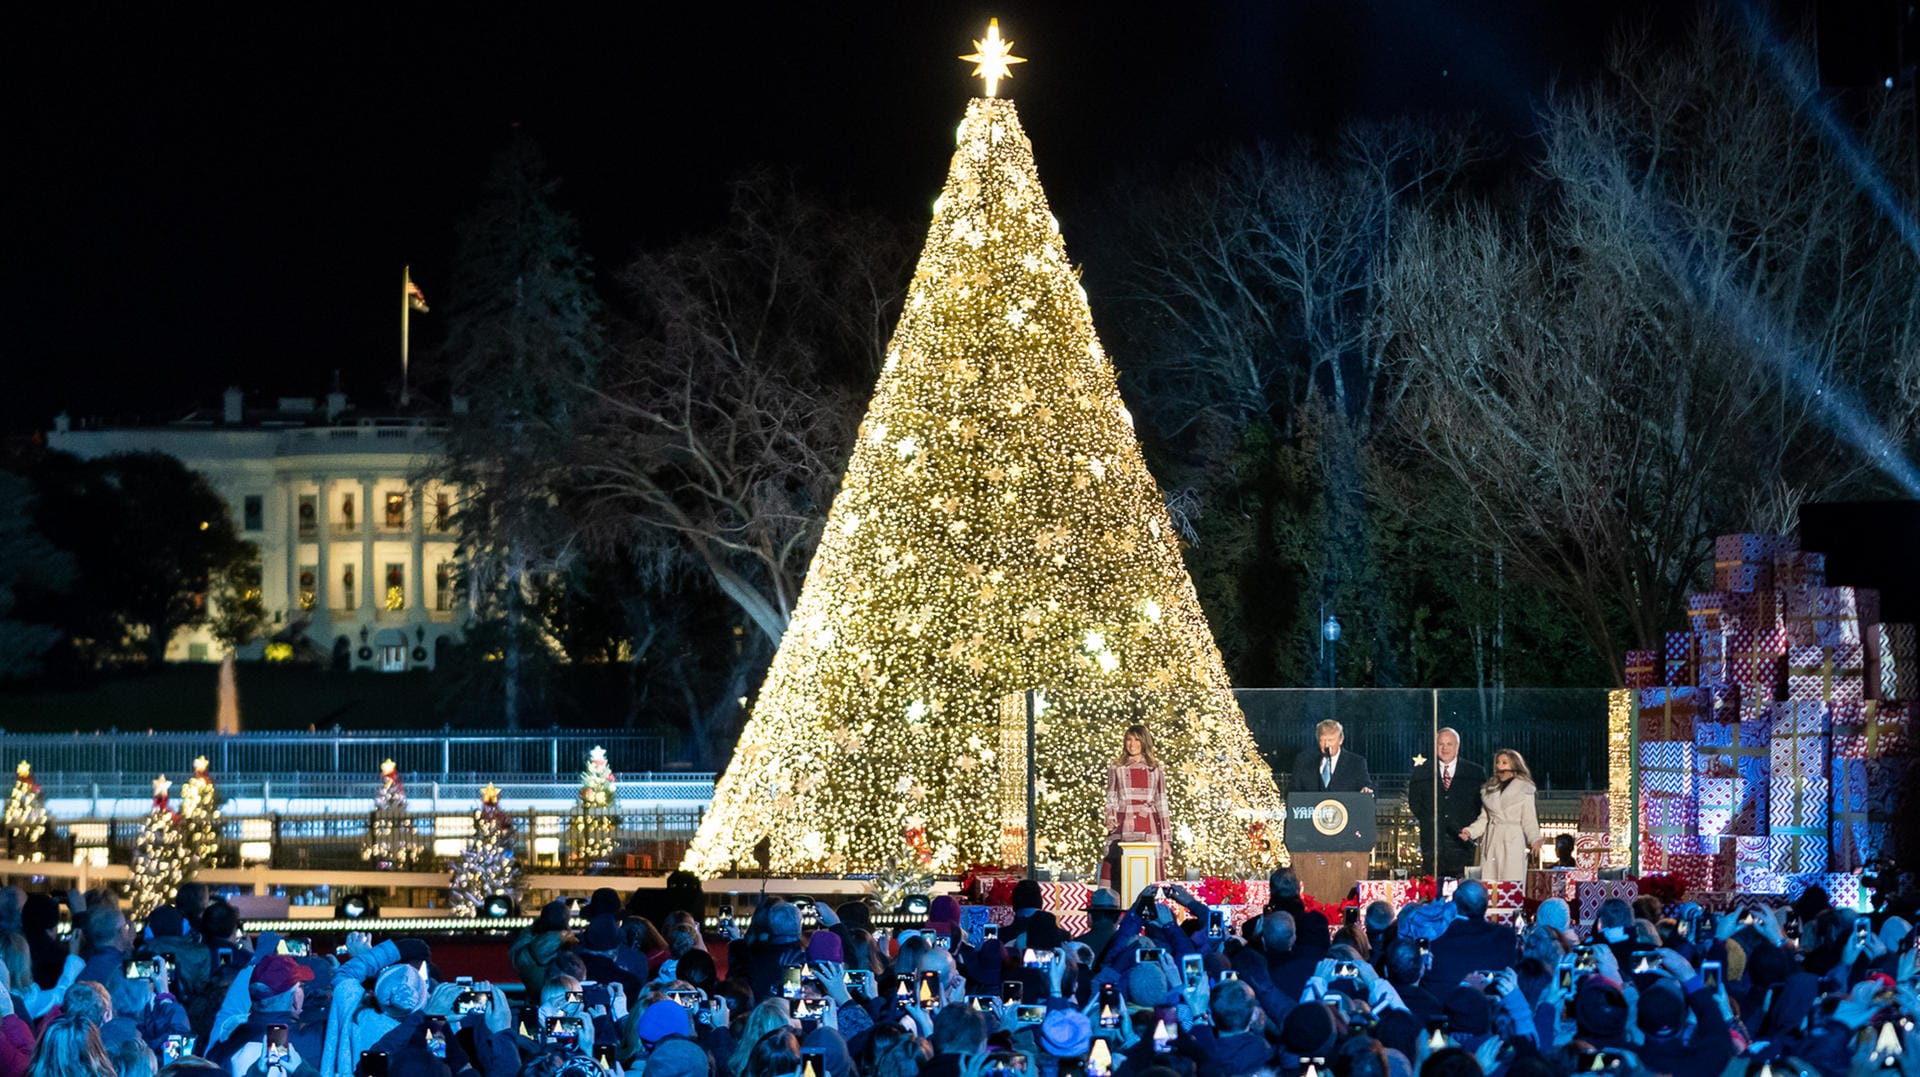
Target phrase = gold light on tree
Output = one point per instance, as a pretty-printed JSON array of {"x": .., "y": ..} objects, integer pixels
[
  {"x": 26, "y": 815},
  {"x": 161, "y": 859},
  {"x": 996, "y": 530},
  {"x": 200, "y": 816}
]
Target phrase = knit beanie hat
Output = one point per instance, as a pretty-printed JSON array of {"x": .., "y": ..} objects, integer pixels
[
  {"x": 1661, "y": 1009},
  {"x": 826, "y": 946},
  {"x": 1308, "y": 1030},
  {"x": 1147, "y": 984},
  {"x": 1599, "y": 1008},
  {"x": 1066, "y": 1034}
]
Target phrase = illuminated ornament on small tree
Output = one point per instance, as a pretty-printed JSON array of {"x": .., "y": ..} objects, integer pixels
[
  {"x": 486, "y": 867},
  {"x": 391, "y": 843},
  {"x": 200, "y": 816},
  {"x": 590, "y": 829},
  {"x": 160, "y": 855},
  {"x": 26, "y": 816},
  {"x": 996, "y": 530}
]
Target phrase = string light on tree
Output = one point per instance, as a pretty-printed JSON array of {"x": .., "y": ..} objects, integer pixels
[
  {"x": 160, "y": 855},
  {"x": 996, "y": 530},
  {"x": 391, "y": 843},
  {"x": 590, "y": 829},
  {"x": 486, "y": 866},
  {"x": 26, "y": 816},
  {"x": 200, "y": 816}
]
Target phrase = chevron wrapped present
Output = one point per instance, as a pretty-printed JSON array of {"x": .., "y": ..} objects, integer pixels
[
  {"x": 1871, "y": 730},
  {"x": 1751, "y": 547},
  {"x": 1057, "y": 897},
  {"x": 1544, "y": 883},
  {"x": 1827, "y": 674},
  {"x": 1892, "y": 666},
  {"x": 1589, "y": 895},
  {"x": 1681, "y": 661},
  {"x": 1797, "y": 806},
  {"x": 1796, "y": 853},
  {"x": 1642, "y": 671},
  {"x": 1668, "y": 767}
]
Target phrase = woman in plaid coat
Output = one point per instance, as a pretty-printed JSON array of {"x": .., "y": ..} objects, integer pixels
[{"x": 1137, "y": 802}]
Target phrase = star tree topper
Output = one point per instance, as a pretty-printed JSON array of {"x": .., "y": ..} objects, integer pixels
[{"x": 992, "y": 58}]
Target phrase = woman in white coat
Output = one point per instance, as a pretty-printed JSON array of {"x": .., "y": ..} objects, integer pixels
[{"x": 1507, "y": 827}]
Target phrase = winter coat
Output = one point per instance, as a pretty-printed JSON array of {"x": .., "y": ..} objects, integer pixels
[
  {"x": 530, "y": 954},
  {"x": 1506, "y": 828},
  {"x": 307, "y": 1033},
  {"x": 16, "y": 1046}
]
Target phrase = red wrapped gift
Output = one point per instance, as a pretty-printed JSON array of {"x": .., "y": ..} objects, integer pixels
[
  {"x": 1843, "y": 887},
  {"x": 1797, "y": 568},
  {"x": 1673, "y": 814},
  {"x": 1702, "y": 872},
  {"x": 1668, "y": 713},
  {"x": 1594, "y": 816},
  {"x": 1751, "y": 547},
  {"x": 1668, "y": 767},
  {"x": 1506, "y": 894},
  {"x": 1827, "y": 674},
  {"x": 1545, "y": 883},
  {"x": 1871, "y": 730},
  {"x": 1706, "y": 613},
  {"x": 1641, "y": 671},
  {"x": 1753, "y": 867},
  {"x": 1742, "y": 577}
]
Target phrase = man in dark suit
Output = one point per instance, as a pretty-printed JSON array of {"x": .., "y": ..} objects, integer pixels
[
  {"x": 1458, "y": 784},
  {"x": 1328, "y": 769},
  {"x": 1470, "y": 942}
]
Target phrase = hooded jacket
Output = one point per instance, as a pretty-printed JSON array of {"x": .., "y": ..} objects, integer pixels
[{"x": 398, "y": 991}]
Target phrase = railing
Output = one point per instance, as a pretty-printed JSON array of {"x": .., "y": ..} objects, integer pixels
[
  {"x": 351, "y": 755},
  {"x": 351, "y": 793},
  {"x": 644, "y": 841}
]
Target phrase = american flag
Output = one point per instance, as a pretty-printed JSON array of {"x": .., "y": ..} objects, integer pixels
[{"x": 415, "y": 297}]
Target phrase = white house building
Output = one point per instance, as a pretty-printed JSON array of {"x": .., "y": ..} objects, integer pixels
[{"x": 355, "y": 528}]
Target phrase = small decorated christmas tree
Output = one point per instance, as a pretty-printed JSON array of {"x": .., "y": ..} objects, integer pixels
[
  {"x": 26, "y": 816},
  {"x": 160, "y": 855},
  {"x": 200, "y": 816},
  {"x": 487, "y": 866},
  {"x": 390, "y": 843},
  {"x": 590, "y": 830}
]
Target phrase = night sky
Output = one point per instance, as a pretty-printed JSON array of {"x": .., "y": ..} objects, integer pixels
[{"x": 198, "y": 203}]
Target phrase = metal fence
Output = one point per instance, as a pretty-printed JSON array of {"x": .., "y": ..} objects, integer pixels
[
  {"x": 445, "y": 752},
  {"x": 642, "y": 841},
  {"x": 352, "y": 792}
]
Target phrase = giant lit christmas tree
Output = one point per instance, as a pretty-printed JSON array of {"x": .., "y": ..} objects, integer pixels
[
  {"x": 161, "y": 859},
  {"x": 26, "y": 815},
  {"x": 996, "y": 530}
]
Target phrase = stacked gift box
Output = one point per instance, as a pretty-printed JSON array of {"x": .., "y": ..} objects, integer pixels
[{"x": 1773, "y": 733}]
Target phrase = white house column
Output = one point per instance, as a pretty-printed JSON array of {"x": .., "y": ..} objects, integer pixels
[
  {"x": 374, "y": 587},
  {"x": 322, "y": 524},
  {"x": 293, "y": 548},
  {"x": 416, "y": 537}
]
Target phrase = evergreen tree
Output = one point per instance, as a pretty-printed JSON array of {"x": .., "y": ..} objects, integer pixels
[
  {"x": 996, "y": 530},
  {"x": 390, "y": 844},
  {"x": 200, "y": 817},
  {"x": 26, "y": 815},
  {"x": 590, "y": 829},
  {"x": 487, "y": 866},
  {"x": 161, "y": 859},
  {"x": 522, "y": 344},
  {"x": 27, "y": 561}
]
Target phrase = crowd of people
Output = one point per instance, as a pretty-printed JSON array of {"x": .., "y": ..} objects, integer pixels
[{"x": 1438, "y": 989}]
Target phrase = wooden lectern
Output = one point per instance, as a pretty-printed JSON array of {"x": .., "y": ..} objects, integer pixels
[
  {"x": 1330, "y": 837},
  {"x": 1139, "y": 868}
]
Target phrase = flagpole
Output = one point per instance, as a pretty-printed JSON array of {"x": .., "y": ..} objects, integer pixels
[{"x": 406, "y": 312}]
